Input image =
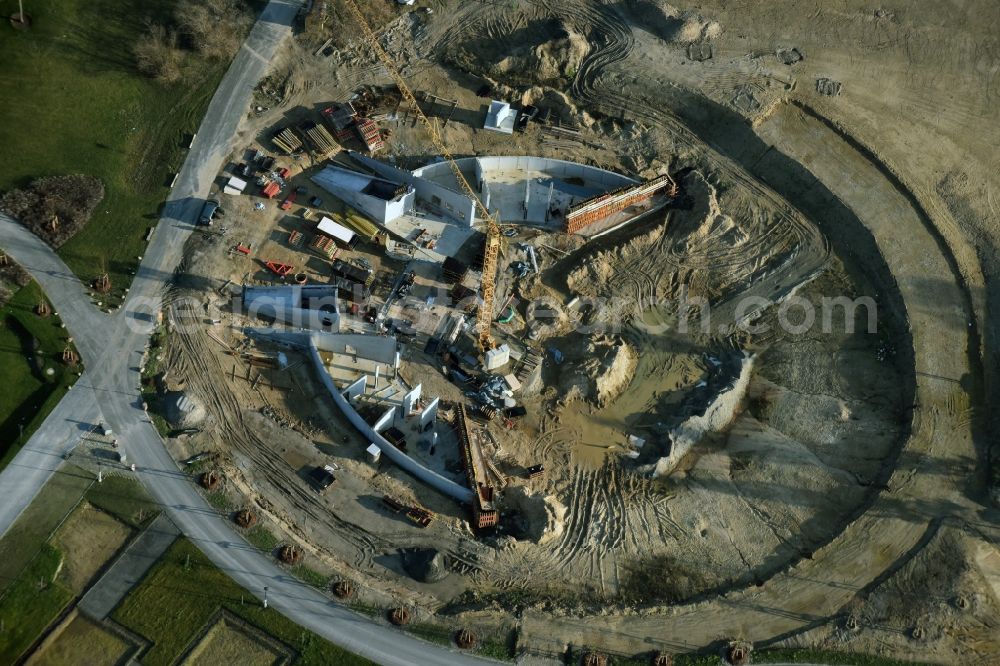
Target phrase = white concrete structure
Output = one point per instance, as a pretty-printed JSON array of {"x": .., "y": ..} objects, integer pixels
[
  {"x": 500, "y": 117},
  {"x": 357, "y": 388},
  {"x": 382, "y": 200},
  {"x": 372, "y": 347},
  {"x": 496, "y": 358},
  {"x": 385, "y": 420},
  {"x": 409, "y": 401},
  {"x": 445, "y": 201},
  {"x": 508, "y": 181},
  {"x": 429, "y": 414},
  {"x": 302, "y": 306}
]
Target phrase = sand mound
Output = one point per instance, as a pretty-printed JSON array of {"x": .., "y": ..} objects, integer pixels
[
  {"x": 541, "y": 51},
  {"x": 543, "y": 515},
  {"x": 183, "y": 411},
  {"x": 717, "y": 416},
  {"x": 676, "y": 26},
  {"x": 593, "y": 274},
  {"x": 601, "y": 372},
  {"x": 549, "y": 61},
  {"x": 557, "y": 102}
]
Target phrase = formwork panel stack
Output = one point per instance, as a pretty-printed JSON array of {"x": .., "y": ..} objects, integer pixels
[
  {"x": 484, "y": 512},
  {"x": 321, "y": 141},
  {"x": 324, "y": 245},
  {"x": 368, "y": 131},
  {"x": 602, "y": 206}
]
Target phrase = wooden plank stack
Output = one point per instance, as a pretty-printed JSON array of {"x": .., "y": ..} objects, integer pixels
[{"x": 287, "y": 141}]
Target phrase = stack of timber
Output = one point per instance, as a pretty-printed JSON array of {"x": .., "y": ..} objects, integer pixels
[
  {"x": 287, "y": 141},
  {"x": 322, "y": 143}
]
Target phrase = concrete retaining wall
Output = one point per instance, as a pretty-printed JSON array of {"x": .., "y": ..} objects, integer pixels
[
  {"x": 312, "y": 343},
  {"x": 482, "y": 166}
]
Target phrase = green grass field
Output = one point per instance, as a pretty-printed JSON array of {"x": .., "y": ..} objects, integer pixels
[
  {"x": 31, "y": 597},
  {"x": 25, "y": 537},
  {"x": 30, "y": 392},
  {"x": 31, "y": 603},
  {"x": 73, "y": 102},
  {"x": 175, "y": 601}
]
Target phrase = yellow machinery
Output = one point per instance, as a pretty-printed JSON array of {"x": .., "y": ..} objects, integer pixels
[{"x": 491, "y": 254}]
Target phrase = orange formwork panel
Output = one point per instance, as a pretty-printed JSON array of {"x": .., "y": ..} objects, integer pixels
[{"x": 597, "y": 208}]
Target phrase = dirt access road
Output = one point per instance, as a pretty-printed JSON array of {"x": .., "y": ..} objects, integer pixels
[
  {"x": 929, "y": 484},
  {"x": 112, "y": 354}
]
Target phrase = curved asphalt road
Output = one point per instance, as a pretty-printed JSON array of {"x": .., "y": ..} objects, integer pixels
[{"x": 112, "y": 348}]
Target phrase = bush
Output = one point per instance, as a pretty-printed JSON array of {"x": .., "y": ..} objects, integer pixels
[
  {"x": 213, "y": 28},
  {"x": 157, "y": 54},
  {"x": 12, "y": 278},
  {"x": 56, "y": 207}
]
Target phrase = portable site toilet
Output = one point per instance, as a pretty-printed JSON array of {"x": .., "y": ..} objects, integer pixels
[{"x": 374, "y": 452}]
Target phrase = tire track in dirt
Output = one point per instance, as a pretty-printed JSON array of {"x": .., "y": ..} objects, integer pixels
[{"x": 199, "y": 359}]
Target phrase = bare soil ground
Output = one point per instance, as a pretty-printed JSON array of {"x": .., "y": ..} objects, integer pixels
[
  {"x": 224, "y": 640},
  {"x": 855, "y": 472},
  {"x": 78, "y": 641}
]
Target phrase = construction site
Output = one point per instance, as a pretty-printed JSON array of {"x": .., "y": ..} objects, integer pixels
[{"x": 609, "y": 324}]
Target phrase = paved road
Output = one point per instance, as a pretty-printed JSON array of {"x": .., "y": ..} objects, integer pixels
[
  {"x": 112, "y": 348},
  {"x": 140, "y": 556}
]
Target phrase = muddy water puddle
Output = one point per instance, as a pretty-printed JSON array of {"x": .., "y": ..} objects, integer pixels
[{"x": 666, "y": 372}]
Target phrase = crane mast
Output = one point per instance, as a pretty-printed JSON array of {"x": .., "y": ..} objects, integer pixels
[{"x": 484, "y": 317}]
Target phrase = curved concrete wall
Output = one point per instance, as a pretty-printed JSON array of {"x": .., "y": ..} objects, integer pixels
[
  {"x": 482, "y": 166},
  {"x": 309, "y": 341}
]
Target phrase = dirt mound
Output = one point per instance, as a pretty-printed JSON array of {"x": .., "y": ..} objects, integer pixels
[
  {"x": 601, "y": 371},
  {"x": 676, "y": 26},
  {"x": 552, "y": 60},
  {"x": 183, "y": 411},
  {"x": 426, "y": 565},
  {"x": 544, "y": 515},
  {"x": 540, "y": 52}
]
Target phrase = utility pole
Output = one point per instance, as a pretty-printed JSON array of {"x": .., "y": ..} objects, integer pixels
[{"x": 20, "y": 8}]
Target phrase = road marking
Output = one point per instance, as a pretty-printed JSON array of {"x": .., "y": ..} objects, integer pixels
[{"x": 255, "y": 54}]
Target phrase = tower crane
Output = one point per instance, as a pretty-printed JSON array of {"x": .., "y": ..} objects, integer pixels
[{"x": 484, "y": 317}]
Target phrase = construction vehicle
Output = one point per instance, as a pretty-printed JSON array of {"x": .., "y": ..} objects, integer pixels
[
  {"x": 208, "y": 211},
  {"x": 484, "y": 317}
]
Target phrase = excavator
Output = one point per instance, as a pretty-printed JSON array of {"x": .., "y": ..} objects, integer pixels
[{"x": 484, "y": 317}]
